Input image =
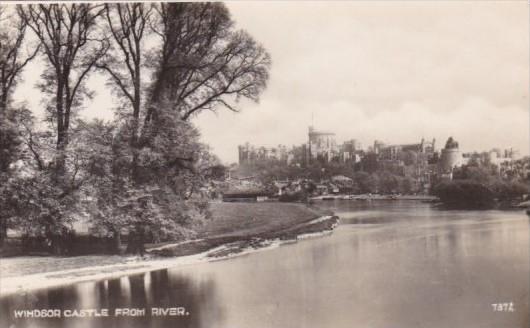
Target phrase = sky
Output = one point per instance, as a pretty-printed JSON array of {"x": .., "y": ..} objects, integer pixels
[{"x": 395, "y": 71}]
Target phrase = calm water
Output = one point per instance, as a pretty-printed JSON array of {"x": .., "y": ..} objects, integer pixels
[{"x": 389, "y": 264}]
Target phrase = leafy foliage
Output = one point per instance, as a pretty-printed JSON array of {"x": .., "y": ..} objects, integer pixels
[
  {"x": 156, "y": 194},
  {"x": 465, "y": 193},
  {"x": 145, "y": 173}
]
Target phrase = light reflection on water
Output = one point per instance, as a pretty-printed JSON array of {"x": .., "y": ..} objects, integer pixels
[
  {"x": 156, "y": 289},
  {"x": 389, "y": 264}
]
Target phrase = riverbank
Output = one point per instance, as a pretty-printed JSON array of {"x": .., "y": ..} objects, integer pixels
[
  {"x": 242, "y": 225},
  {"x": 236, "y": 229},
  {"x": 376, "y": 197}
]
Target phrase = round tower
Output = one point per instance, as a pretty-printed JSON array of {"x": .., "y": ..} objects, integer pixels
[{"x": 450, "y": 156}]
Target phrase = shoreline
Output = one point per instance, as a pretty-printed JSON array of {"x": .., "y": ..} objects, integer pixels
[
  {"x": 375, "y": 197},
  {"x": 136, "y": 265}
]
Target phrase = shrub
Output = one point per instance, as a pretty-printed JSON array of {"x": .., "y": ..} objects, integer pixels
[
  {"x": 293, "y": 197},
  {"x": 464, "y": 193},
  {"x": 507, "y": 191}
]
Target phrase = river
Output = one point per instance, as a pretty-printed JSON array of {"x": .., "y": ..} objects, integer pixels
[{"x": 389, "y": 264}]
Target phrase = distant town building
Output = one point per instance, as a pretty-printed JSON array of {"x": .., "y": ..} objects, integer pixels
[
  {"x": 322, "y": 145},
  {"x": 416, "y": 160},
  {"x": 350, "y": 151},
  {"x": 378, "y": 145},
  {"x": 249, "y": 154},
  {"x": 497, "y": 156},
  {"x": 396, "y": 152},
  {"x": 420, "y": 161},
  {"x": 502, "y": 159},
  {"x": 518, "y": 168},
  {"x": 298, "y": 155}
]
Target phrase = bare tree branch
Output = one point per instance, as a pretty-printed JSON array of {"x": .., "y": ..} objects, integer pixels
[
  {"x": 12, "y": 59},
  {"x": 126, "y": 23},
  {"x": 66, "y": 33}
]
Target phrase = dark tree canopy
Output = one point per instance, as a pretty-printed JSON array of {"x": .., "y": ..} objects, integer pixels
[
  {"x": 205, "y": 63},
  {"x": 464, "y": 193}
]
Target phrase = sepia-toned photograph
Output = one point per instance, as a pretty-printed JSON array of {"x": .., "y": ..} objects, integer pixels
[{"x": 265, "y": 164}]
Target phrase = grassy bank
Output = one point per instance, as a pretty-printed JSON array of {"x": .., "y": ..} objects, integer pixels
[
  {"x": 255, "y": 218},
  {"x": 236, "y": 225},
  {"x": 244, "y": 225}
]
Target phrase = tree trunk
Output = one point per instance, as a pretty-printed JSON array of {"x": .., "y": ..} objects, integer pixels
[
  {"x": 61, "y": 129},
  {"x": 56, "y": 245},
  {"x": 116, "y": 241},
  {"x": 132, "y": 243},
  {"x": 3, "y": 232},
  {"x": 141, "y": 243},
  {"x": 3, "y": 102},
  {"x": 136, "y": 243}
]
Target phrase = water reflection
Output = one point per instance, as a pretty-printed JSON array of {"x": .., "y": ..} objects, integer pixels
[
  {"x": 157, "y": 289},
  {"x": 389, "y": 264}
]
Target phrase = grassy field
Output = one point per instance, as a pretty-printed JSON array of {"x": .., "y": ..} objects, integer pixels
[
  {"x": 241, "y": 219},
  {"x": 245, "y": 225}
]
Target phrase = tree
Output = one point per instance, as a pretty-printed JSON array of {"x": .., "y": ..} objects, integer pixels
[
  {"x": 204, "y": 63},
  {"x": 38, "y": 208},
  {"x": 487, "y": 174},
  {"x": 128, "y": 25},
  {"x": 366, "y": 182},
  {"x": 409, "y": 185},
  {"x": 32, "y": 201},
  {"x": 164, "y": 202},
  {"x": 215, "y": 171},
  {"x": 510, "y": 190},
  {"x": 464, "y": 193},
  {"x": 369, "y": 163},
  {"x": 72, "y": 46},
  {"x": 68, "y": 39},
  {"x": 13, "y": 59},
  {"x": 145, "y": 171},
  {"x": 11, "y": 151},
  {"x": 388, "y": 183}
]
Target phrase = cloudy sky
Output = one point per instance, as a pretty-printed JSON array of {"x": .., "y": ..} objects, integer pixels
[{"x": 387, "y": 70}]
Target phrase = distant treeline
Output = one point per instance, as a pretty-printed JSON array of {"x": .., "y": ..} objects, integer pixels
[{"x": 474, "y": 184}]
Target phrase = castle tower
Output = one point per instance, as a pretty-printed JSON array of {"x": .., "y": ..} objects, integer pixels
[
  {"x": 321, "y": 145},
  {"x": 450, "y": 157}
]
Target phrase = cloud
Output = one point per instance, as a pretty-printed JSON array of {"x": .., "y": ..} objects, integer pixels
[
  {"x": 475, "y": 123},
  {"x": 393, "y": 71}
]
